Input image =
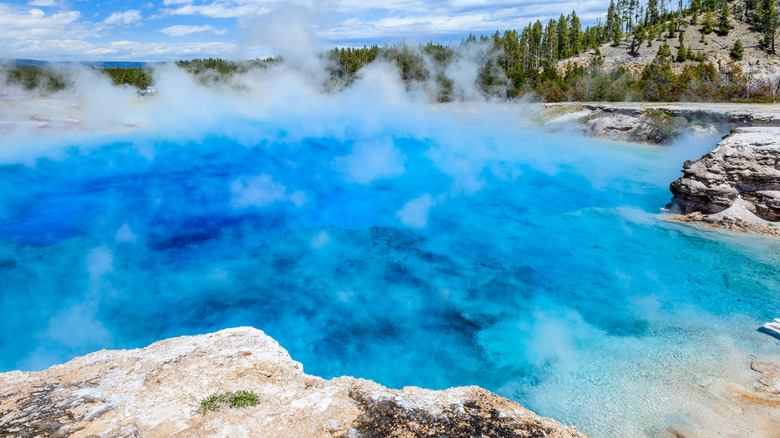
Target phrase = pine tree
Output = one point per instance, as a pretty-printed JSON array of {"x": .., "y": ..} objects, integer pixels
[
  {"x": 564, "y": 43},
  {"x": 737, "y": 51},
  {"x": 622, "y": 12},
  {"x": 525, "y": 47},
  {"x": 617, "y": 35},
  {"x": 664, "y": 51},
  {"x": 537, "y": 31},
  {"x": 633, "y": 6},
  {"x": 575, "y": 33},
  {"x": 750, "y": 5},
  {"x": 695, "y": 6},
  {"x": 639, "y": 12},
  {"x": 498, "y": 43},
  {"x": 637, "y": 37},
  {"x": 767, "y": 20},
  {"x": 612, "y": 19},
  {"x": 724, "y": 26},
  {"x": 682, "y": 55},
  {"x": 652, "y": 11},
  {"x": 708, "y": 23},
  {"x": 549, "y": 43},
  {"x": 511, "y": 49}
]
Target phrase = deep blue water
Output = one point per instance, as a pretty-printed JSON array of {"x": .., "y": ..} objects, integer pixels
[{"x": 532, "y": 264}]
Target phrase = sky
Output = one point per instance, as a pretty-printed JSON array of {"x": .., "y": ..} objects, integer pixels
[{"x": 169, "y": 30}]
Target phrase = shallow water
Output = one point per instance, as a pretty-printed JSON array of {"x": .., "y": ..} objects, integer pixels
[{"x": 466, "y": 251}]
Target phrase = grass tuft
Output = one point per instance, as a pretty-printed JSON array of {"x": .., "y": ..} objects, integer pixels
[
  {"x": 243, "y": 399},
  {"x": 212, "y": 403},
  {"x": 238, "y": 399}
]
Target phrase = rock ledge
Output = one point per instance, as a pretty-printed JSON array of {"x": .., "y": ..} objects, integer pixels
[
  {"x": 155, "y": 392},
  {"x": 736, "y": 185},
  {"x": 655, "y": 123}
]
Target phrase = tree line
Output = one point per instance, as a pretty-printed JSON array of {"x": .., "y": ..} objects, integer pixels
[{"x": 528, "y": 62}]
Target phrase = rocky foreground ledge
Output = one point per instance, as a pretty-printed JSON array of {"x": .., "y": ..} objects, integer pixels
[
  {"x": 736, "y": 185},
  {"x": 157, "y": 391}
]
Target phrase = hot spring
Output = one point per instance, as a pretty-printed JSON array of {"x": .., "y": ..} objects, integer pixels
[{"x": 387, "y": 239}]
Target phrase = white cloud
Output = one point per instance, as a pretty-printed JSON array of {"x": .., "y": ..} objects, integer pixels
[
  {"x": 127, "y": 17},
  {"x": 119, "y": 50},
  {"x": 162, "y": 51},
  {"x": 218, "y": 10},
  {"x": 42, "y": 3},
  {"x": 181, "y": 30},
  {"x": 20, "y": 25}
]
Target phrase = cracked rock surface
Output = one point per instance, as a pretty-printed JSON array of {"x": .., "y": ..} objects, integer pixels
[{"x": 156, "y": 392}]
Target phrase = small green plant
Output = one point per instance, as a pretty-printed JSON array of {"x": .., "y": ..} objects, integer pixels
[
  {"x": 238, "y": 399},
  {"x": 212, "y": 403},
  {"x": 243, "y": 399}
]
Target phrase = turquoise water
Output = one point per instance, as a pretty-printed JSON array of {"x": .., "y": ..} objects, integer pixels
[{"x": 470, "y": 249}]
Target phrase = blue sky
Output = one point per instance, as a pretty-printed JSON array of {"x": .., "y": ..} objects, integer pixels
[{"x": 161, "y": 30}]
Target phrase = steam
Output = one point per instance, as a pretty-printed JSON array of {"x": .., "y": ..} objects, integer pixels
[
  {"x": 369, "y": 162},
  {"x": 289, "y": 32},
  {"x": 261, "y": 191},
  {"x": 125, "y": 234},
  {"x": 186, "y": 108},
  {"x": 415, "y": 212}
]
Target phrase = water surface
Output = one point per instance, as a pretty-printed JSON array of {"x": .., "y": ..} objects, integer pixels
[{"x": 467, "y": 250}]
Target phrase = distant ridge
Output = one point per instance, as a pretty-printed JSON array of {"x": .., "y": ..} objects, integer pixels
[{"x": 96, "y": 64}]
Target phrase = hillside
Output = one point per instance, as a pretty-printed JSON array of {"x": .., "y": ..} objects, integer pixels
[{"x": 756, "y": 61}]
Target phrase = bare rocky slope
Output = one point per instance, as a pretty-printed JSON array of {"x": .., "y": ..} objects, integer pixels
[
  {"x": 736, "y": 185},
  {"x": 156, "y": 392}
]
